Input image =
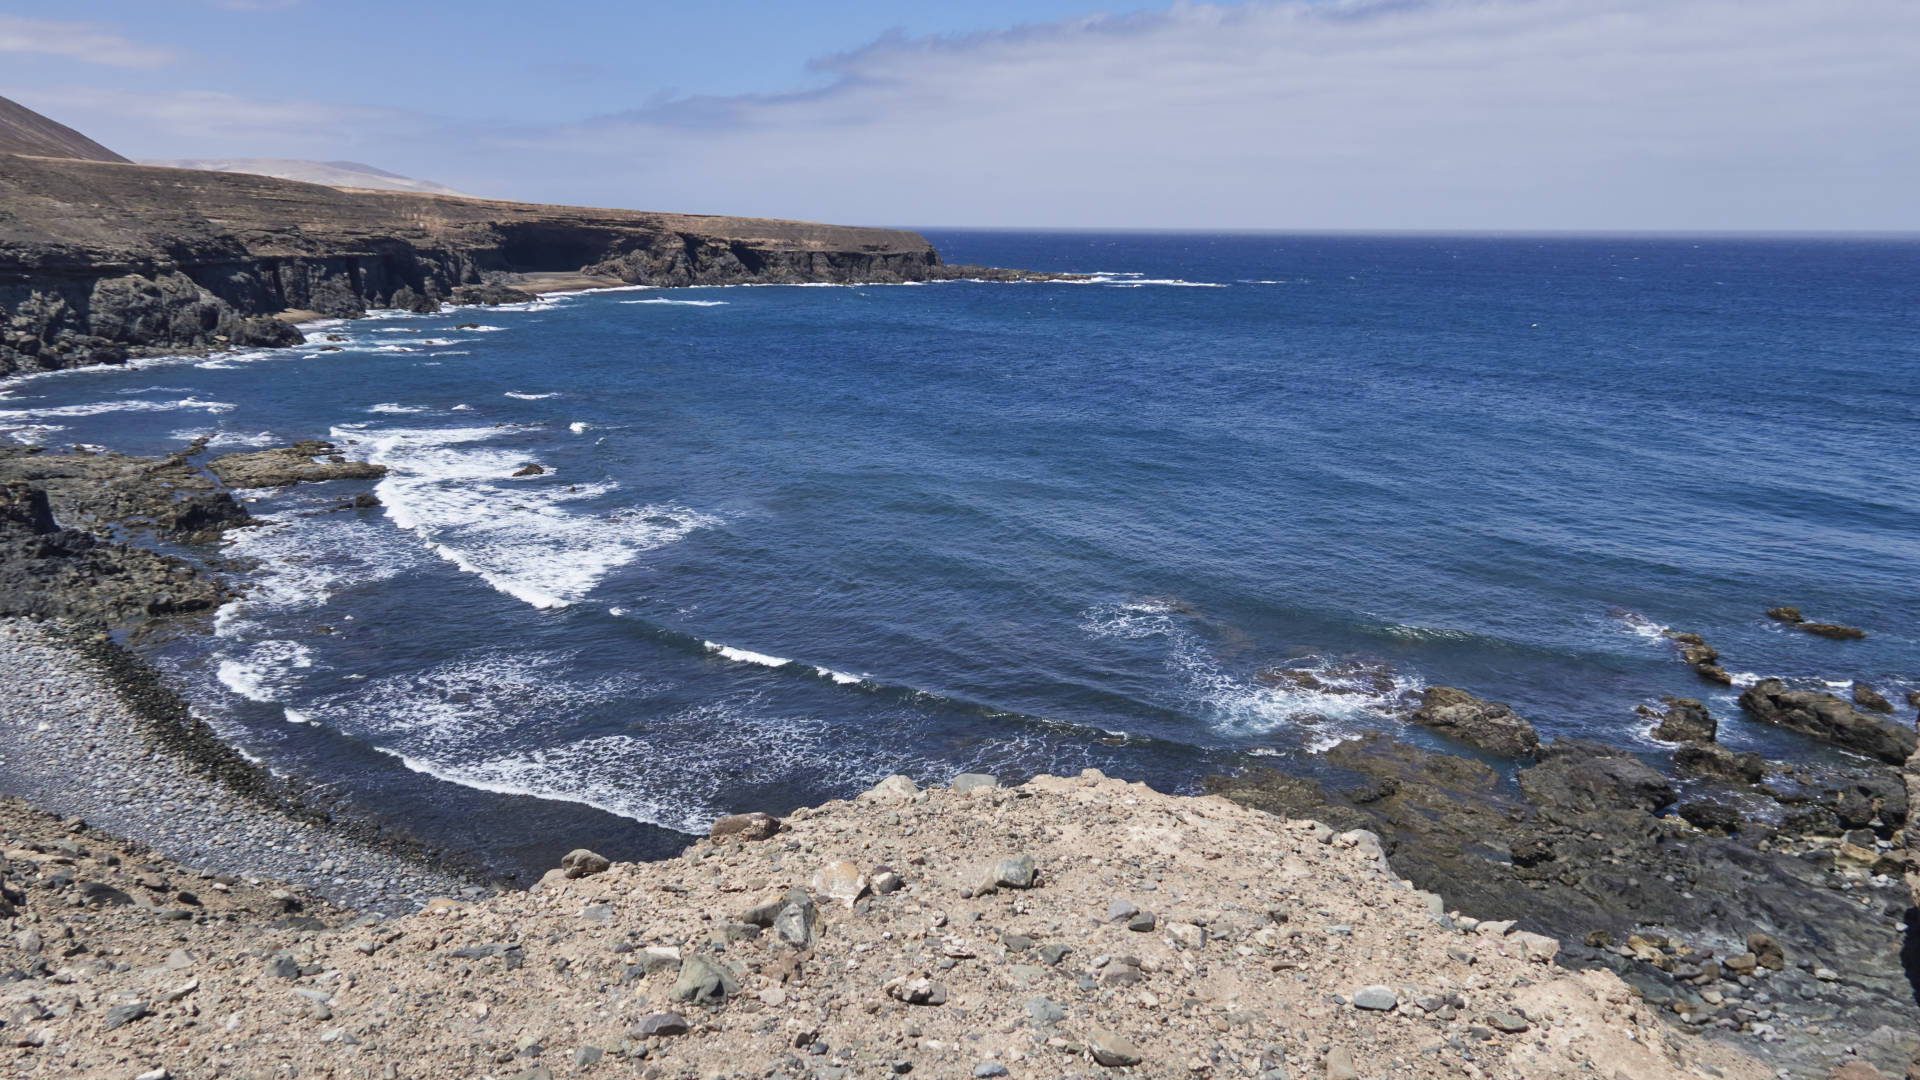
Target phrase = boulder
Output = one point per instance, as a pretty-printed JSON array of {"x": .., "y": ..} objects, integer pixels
[
  {"x": 1787, "y": 614},
  {"x": 1709, "y": 815},
  {"x": 1489, "y": 725},
  {"x": 1866, "y": 697},
  {"x": 753, "y": 826},
  {"x": 704, "y": 981},
  {"x": 1711, "y": 761},
  {"x": 1686, "y": 720},
  {"x": 530, "y": 469},
  {"x": 580, "y": 863},
  {"x": 1830, "y": 719}
]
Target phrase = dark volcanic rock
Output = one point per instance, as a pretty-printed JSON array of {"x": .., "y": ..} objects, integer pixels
[
  {"x": 1583, "y": 854},
  {"x": 1686, "y": 720},
  {"x": 1826, "y": 717},
  {"x": 492, "y": 293},
  {"x": 1866, "y": 697},
  {"x": 1579, "y": 777},
  {"x": 1833, "y": 630},
  {"x": 289, "y": 465},
  {"x": 1489, "y": 725},
  {"x": 1715, "y": 762}
]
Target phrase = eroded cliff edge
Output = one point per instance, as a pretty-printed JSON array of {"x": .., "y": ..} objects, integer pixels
[{"x": 100, "y": 261}]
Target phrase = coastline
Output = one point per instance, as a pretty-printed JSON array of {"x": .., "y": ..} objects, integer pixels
[{"x": 76, "y": 744}]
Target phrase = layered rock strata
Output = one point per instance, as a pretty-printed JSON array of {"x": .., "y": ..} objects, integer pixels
[{"x": 101, "y": 260}]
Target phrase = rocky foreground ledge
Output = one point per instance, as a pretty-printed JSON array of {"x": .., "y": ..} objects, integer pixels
[{"x": 1068, "y": 927}]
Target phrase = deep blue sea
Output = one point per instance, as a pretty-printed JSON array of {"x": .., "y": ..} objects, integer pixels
[{"x": 790, "y": 540}]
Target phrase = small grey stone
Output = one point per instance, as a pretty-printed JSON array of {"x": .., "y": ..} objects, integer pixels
[
  {"x": 794, "y": 923},
  {"x": 1511, "y": 1023},
  {"x": 1052, "y": 953},
  {"x": 1045, "y": 1012},
  {"x": 538, "y": 1072},
  {"x": 586, "y": 1056},
  {"x": 1111, "y": 1050},
  {"x": 662, "y": 1024},
  {"x": 1015, "y": 872},
  {"x": 121, "y": 1015},
  {"x": 1141, "y": 922},
  {"x": 597, "y": 913},
  {"x": 283, "y": 967},
  {"x": 1377, "y": 998},
  {"x": 1120, "y": 910},
  {"x": 703, "y": 981},
  {"x": 988, "y": 1068}
]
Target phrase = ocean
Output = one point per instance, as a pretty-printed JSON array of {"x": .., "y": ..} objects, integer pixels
[{"x": 1234, "y": 499}]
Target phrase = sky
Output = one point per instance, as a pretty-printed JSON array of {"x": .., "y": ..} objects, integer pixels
[{"x": 1584, "y": 115}]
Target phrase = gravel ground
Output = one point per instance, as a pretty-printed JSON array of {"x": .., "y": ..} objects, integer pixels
[{"x": 70, "y": 743}]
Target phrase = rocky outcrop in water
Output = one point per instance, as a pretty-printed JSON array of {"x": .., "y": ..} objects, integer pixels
[
  {"x": 1830, "y": 719},
  {"x": 308, "y": 461},
  {"x": 1489, "y": 725}
]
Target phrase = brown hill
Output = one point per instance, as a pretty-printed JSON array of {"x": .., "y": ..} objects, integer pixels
[{"x": 23, "y": 131}]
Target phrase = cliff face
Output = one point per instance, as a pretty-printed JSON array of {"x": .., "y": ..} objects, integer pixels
[{"x": 100, "y": 261}]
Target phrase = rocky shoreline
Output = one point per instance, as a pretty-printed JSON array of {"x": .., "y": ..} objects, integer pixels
[
  {"x": 1758, "y": 902},
  {"x": 1768, "y": 901},
  {"x": 101, "y": 261}
]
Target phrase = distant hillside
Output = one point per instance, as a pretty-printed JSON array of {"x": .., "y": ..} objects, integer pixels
[
  {"x": 23, "y": 131},
  {"x": 340, "y": 174}
]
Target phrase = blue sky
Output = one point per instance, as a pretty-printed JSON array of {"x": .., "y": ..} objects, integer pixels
[{"x": 1387, "y": 114}]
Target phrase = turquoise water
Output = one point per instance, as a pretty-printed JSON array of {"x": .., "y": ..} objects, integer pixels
[{"x": 792, "y": 539}]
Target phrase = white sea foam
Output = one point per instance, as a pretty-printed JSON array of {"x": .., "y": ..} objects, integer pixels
[
  {"x": 395, "y": 330},
  {"x": 226, "y": 438},
  {"x": 97, "y": 408},
  {"x": 393, "y": 349},
  {"x": 392, "y": 408},
  {"x": 1642, "y": 627},
  {"x": 530, "y": 397},
  {"x": 267, "y": 671},
  {"x": 463, "y": 408},
  {"x": 579, "y": 427},
  {"x": 303, "y": 564},
  {"x": 34, "y": 434},
  {"x": 452, "y": 491},
  {"x": 1131, "y": 280},
  {"x": 679, "y": 303},
  {"x": 1346, "y": 701},
  {"x": 746, "y": 656},
  {"x": 482, "y": 329}
]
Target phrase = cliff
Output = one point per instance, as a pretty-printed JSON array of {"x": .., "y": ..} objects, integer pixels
[{"x": 104, "y": 260}]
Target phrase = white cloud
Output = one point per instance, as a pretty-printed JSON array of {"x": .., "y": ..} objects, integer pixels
[
  {"x": 78, "y": 41},
  {"x": 1345, "y": 113},
  {"x": 205, "y": 123}
]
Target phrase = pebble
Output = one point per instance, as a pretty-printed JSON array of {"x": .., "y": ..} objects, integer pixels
[
  {"x": 989, "y": 1068},
  {"x": 1111, "y": 1050},
  {"x": 1376, "y": 998}
]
